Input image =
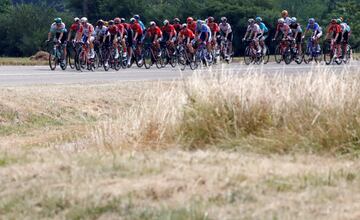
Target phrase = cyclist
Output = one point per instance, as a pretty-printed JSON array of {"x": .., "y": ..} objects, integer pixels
[
  {"x": 76, "y": 27},
  {"x": 177, "y": 25},
  {"x": 253, "y": 30},
  {"x": 285, "y": 16},
  {"x": 58, "y": 30},
  {"x": 186, "y": 36},
  {"x": 136, "y": 39},
  {"x": 316, "y": 33},
  {"x": 296, "y": 33},
  {"x": 284, "y": 28},
  {"x": 204, "y": 35},
  {"x": 214, "y": 28},
  {"x": 155, "y": 34},
  {"x": 137, "y": 19},
  {"x": 346, "y": 31},
  {"x": 263, "y": 33},
  {"x": 191, "y": 24},
  {"x": 169, "y": 33},
  {"x": 226, "y": 33},
  {"x": 335, "y": 29},
  {"x": 113, "y": 36},
  {"x": 101, "y": 31},
  {"x": 121, "y": 36},
  {"x": 88, "y": 35}
]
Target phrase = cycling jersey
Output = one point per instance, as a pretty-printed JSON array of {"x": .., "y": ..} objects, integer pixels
[
  {"x": 87, "y": 29},
  {"x": 143, "y": 28},
  {"x": 121, "y": 28},
  {"x": 284, "y": 29},
  {"x": 345, "y": 27},
  {"x": 314, "y": 27},
  {"x": 296, "y": 27},
  {"x": 177, "y": 27},
  {"x": 154, "y": 31},
  {"x": 101, "y": 32},
  {"x": 187, "y": 33},
  {"x": 76, "y": 27},
  {"x": 192, "y": 26},
  {"x": 213, "y": 27},
  {"x": 113, "y": 30},
  {"x": 288, "y": 20},
  {"x": 225, "y": 28},
  {"x": 335, "y": 28},
  {"x": 169, "y": 29},
  {"x": 203, "y": 29},
  {"x": 127, "y": 26},
  {"x": 137, "y": 28},
  {"x": 253, "y": 28},
  {"x": 263, "y": 28},
  {"x": 54, "y": 29}
]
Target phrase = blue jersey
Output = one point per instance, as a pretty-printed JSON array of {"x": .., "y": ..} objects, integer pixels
[
  {"x": 314, "y": 27},
  {"x": 263, "y": 27},
  {"x": 141, "y": 25}
]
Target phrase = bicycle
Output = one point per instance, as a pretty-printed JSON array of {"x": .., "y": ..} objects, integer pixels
[
  {"x": 312, "y": 52},
  {"x": 330, "y": 53},
  {"x": 168, "y": 54},
  {"x": 347, "y": 56},
  {"x": 185, "y": 57},
  {"x": 83, "y": 60},
  {"x": 201, "y": 56},
  {"x": 71, "y": 54},
  {"x": 251, "y": 54},
  {"x": 56, "y": 56},
  {"x": 287, "y": 52},
  {"x": 151, "y": 56},
  {"x": 137, "y": 55},
  {"x": 225, "y": 52}
]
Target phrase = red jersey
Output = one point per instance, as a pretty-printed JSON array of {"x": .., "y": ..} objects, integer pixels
[
  {"x": 335, "y": 28},
  {"x": 121, "y": 28},
  {"x": 214, "y": 27},
  {"x": 113, "y": 30},
  {"x": 127, "y": 26},
  {"x": 187, "y": 33},
  {"x": 154, "y": 31},
  {"x": 169, "y": 29},
  {"x": 77, "y": 27},
  {"x": 177, "y": 27},
  {"x": 136, "y": 28},
  {"x": 192, "y": 26}
]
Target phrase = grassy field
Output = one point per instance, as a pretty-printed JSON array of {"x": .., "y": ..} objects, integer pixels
[
  {"x": 214, "y": 146},
  {"x": 20, "y": 61}
]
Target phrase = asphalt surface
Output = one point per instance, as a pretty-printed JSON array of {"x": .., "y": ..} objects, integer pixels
[{"x": 40, "y": 75}]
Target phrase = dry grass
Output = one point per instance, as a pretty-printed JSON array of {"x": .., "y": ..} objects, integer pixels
[
  {"x": 222, "y": 146},
  {"x": 20, "y": 61}
]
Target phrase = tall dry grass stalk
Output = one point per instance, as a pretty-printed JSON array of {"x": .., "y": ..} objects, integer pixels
[{"x": 314, "y": 112}]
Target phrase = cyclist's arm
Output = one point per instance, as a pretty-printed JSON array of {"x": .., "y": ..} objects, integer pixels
[{"x": 69, "y": 35}]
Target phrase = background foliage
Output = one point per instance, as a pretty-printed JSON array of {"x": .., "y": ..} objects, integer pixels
[{"x": 25, "y": 23}]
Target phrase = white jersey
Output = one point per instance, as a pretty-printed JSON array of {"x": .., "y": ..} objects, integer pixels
[
  {"x": 254, "y": 28},
  {"x": 101, "y": 31},
  {"x": 87, "y": 29},
  {"x": 288, "y": 20},
  {"x": 226, "y": 28}
]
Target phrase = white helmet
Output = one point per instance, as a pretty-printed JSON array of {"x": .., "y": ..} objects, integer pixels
[
  {"x": 281, "y": 21},
  {"x": 76, "y": 19},
  {"x": 84, "y": 19},
  {"x": 152, "y": 23},
  {"x": 166, "y": 22}
]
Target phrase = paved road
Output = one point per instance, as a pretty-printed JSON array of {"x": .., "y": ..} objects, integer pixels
[{"x": 35, "y": 75}]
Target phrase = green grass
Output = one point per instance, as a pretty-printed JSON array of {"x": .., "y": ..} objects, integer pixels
[{"x": 20, "y": 61}]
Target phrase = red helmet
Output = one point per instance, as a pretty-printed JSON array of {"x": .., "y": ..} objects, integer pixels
[
  {"x": 117, "y": 20},
  {"x": 189, "y": 19}
]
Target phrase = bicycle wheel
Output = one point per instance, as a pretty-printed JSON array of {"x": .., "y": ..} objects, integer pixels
[
  {"x": 147, "y": 58},
  {"x": 328, "y": 54},
  {"x": 266, "y": 55},
  {"x": 182, "y": 60},
  {"x": 278, "y": 56},
  {"x": 248, "y": 59},
  {"x": 71, "y": 57},
  {"x": 348, "y": 55},
  {"x": 52, "y": 60},
  {"x": 307, "y": 55},
  {"x": 158, "y": 60},
  {"x": 287, "y": 56}
]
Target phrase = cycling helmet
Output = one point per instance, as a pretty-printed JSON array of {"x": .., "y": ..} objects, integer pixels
[
  {"x": 132, "y": 20},
  {"x": 100, "y": 22},
  {"x": 166, "y": 22},
  {"x": 258, "y": 19},
  {"x": 211, "y": 19},
  {"x": 200, "y": 22},
  {"x": 152, "y": 23},
  {"x": 293, "y": 20},
  {"x": 137, "y": 17},
  {"x": 111, "y": 22},
  {"x": 123, "y": 20},
  {"x": 251, "y": 21},
  {"x": 224, "y": 19},
  {"x": 176, "y": 20},
  {"x": 84, "y": 19},
  {"x": 117, "y": 20},
  {"x": 338, "y": 21},
  {"x": 76, "y": 19},
  {"x": 311, "y": 21},
  {"x": 342, "y": 19},
  {"x": 183, "y": 26},
  {"x": 58, "y": 20},
  {"x": 106, "y": 23},
  {"x": 281, "y": 21},
  {"x": 284, "y": 13},
  {"x": 189, "y": 19},
  {"x": 333, "y": 21}
]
